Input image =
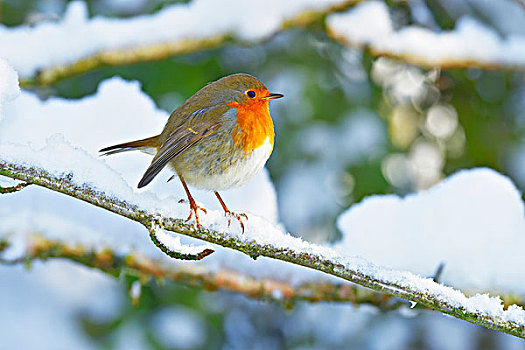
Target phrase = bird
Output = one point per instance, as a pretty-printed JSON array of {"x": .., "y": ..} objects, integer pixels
[{"x": 219, "y": 138}]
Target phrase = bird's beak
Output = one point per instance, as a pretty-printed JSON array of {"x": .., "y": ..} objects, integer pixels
[{"x": 273, "y": 96}]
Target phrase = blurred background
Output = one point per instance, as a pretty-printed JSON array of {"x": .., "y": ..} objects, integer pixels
[{"x": 351, "y": 125}]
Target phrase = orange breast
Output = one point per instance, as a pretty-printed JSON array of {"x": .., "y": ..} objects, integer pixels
[{"x": 254, "y": 125}]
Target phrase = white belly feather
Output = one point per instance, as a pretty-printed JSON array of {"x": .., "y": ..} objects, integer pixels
[{"x": 243, "y": 171}]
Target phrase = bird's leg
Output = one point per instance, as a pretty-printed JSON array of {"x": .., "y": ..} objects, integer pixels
[
  {"x": 229, "y": 213},
  {"x": 193, "y": 205}
]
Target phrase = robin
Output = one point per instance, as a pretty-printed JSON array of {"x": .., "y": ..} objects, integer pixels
[{"x": 219, "y": 138}]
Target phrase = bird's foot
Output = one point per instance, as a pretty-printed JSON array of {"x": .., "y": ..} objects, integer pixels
[
  {"x": 193, "y": 211},
  {"x": 231, "y": 214}
]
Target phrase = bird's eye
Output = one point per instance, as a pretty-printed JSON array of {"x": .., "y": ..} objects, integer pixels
[{"x": 250, "y": 93}]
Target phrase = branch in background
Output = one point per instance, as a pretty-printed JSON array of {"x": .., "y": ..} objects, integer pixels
[
  {"x": 12, "y": 189},
  {"x": 48, "y": 76},
  {"x": 146, "y": 270},
  {"x": 386, "y": 44},
  {"x": 158, "y": 51},
  {"x": 400, "y": 284},
  {"x": 449, "y": 63},
  {"x": 424, "y": 47}
]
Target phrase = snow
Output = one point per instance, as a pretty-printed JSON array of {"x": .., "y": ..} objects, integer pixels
[
  {"x": 118, "y": 112},
  {"x": 174, "y": 243},
  {"x": 8, "y": 84},
  {"x": 64, "y": 139},
  {"x": 366, "y": 22},
  {"x": 50, "y": 44},
  {"x": 369, "y": 23},
  {"x": 465, "y": 222},
  {"x": 472, "y": 221}
]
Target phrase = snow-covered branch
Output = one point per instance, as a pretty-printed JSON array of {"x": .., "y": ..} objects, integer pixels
[
  {"x": 146, "y": 269},
  {"x": 118, "y": 42},
  {"x": 172, "y": 247},
  {"x": 38, "y": 247},
  {"x": 11, "y": 189},
  {"x": 37, "y": 52},
  {"x": 264, "y": 239},
  {"x": 470, "y": 44}
]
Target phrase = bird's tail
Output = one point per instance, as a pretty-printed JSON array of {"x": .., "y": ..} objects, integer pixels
[{"x": 149, "y": 145}]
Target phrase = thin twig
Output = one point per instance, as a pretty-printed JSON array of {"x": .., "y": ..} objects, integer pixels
[
  {"x": 172, "y": 253},
  {"x": 257, "y": 288},
  {"x": 439, "y": 271},
  {"x": 12, "y": 189},
  {"x": 147, "y": 269}
]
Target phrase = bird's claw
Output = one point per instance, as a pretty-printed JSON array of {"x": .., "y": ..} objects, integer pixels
[
  {"x": 230, "y": 214},
  {"x": 193, "y": 211}
]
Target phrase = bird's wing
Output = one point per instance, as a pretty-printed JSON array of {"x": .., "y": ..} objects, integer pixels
[{"x": 196, "y": 128}]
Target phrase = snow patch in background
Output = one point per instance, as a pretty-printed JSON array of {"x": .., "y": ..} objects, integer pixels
[
  {"x": 473, "y": 222},
  {"x": 8, "y": 84},
  {"x": 42, "y": 45},
  {"x": 369, "y": 23}
]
